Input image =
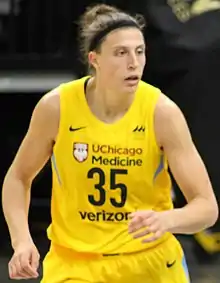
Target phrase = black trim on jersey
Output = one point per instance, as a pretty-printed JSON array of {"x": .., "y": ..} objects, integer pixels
[{"x": 139, "y": 129}]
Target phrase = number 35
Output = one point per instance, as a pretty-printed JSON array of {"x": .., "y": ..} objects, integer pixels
[{"x": 113, "y": 186}]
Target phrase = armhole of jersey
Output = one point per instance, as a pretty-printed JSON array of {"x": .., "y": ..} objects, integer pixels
[
  {"x": 155, "y": 101},
  {"x": 61, "y": 127}
]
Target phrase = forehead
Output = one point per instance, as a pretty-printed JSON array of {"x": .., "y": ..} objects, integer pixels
[{"x": 129, "y": 37}]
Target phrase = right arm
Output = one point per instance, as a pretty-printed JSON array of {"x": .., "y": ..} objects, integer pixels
[{"x": 34, "y": 152}]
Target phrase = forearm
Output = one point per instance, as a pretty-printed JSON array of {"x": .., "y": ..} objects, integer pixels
[
  {"x": 197, "y": 215},
  {"x": 15, "y": 203}
]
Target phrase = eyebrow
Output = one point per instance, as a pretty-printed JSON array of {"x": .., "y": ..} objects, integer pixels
[{"x": 126, "y": 47}]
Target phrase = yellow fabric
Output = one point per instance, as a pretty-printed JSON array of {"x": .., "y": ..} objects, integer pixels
[
  {"x": 64, "y": 266},
  {"x": 103, "y": 172},
  {"x": 209, "y": 241}
]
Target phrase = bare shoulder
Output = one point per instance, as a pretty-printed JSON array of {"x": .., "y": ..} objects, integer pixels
[
  {"x": 37, "y": 145},
  {"x": 47, "y": 113},
  {"x": 50, "y": 101},
  {"x": 168, "y": 119},
  {"x": 166, "y": 108}
]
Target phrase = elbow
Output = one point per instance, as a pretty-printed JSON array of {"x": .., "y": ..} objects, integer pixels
[
  {"x": 15, "y": 176},
  {"x": 213, "y": 213}
]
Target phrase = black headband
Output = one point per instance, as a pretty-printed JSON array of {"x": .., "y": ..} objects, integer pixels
[{"x": 119, "y": 24}]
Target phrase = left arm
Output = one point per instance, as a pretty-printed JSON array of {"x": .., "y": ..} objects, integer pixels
[{"x": 188, "y": 170}]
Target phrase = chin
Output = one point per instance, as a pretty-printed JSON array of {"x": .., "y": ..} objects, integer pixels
[{"x": 131, "y": 89}]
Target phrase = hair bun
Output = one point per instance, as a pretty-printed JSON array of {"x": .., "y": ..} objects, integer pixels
[{"x": 93, "y": 11}]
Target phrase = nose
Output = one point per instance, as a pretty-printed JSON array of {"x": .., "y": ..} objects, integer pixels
[{"x": 132, "y": 61}]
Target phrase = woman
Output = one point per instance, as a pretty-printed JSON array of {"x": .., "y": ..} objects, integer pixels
[{"x": 109, "y": 136}]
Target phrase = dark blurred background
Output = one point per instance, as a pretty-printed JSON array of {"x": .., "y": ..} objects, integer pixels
[{"x": 39, "y": 50}]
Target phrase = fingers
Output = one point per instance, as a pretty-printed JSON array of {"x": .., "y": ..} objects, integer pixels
[
  {"x": 17, "y": 272},
  {"x": 139, "y": 221},
  {"x": 151, "y": 235},
  {"x": 153, "y": 238},
  {"x": 146, "y": 224},
  {"x": 20, "y": 267},
  {"x": 34, "y": 261},
  {"x": 13, "y": 274},
  {"x": 26, "y": 266},
  {"x": 142, "y": 213},
  {"x": 136, "y": 223}
]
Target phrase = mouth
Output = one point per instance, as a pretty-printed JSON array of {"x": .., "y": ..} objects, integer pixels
[{"x": 132, "y": 79}]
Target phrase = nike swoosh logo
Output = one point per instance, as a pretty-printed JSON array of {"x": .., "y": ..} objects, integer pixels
[
  {"x": 170, "y": 264},
  {"x": 75, "y": 129}
]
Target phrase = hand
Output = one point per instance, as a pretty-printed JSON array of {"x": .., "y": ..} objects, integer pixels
[
  {"x": 24, "y": 262},
  {"x": 151, "y": 223}
]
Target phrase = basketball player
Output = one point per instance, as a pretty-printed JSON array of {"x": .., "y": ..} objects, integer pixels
[{"x": 110, "y": 137}]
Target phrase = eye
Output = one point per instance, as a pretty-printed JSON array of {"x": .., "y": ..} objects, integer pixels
[
  {"x": 120, "y": 52},
  {"x": 140, "y": 51}
]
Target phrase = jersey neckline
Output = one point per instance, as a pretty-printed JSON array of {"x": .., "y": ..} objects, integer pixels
[{"x": 95, "y": 120}]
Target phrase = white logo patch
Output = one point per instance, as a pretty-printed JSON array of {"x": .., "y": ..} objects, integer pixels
[{"x": 80, "y": 151}]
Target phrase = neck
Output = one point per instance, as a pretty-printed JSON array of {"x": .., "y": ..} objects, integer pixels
[{"x": 106, "y": 104}]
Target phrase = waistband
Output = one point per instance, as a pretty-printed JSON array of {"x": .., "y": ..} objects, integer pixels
[{"x": 70, "y": 253}]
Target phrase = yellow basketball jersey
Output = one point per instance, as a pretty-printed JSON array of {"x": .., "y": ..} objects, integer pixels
[{"x": 103, "y": 172}]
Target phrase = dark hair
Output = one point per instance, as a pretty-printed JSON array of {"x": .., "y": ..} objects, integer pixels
[{"x": 98, "y": 21}]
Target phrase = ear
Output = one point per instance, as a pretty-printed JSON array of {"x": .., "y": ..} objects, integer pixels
[{"x": 92, "y": 58}]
